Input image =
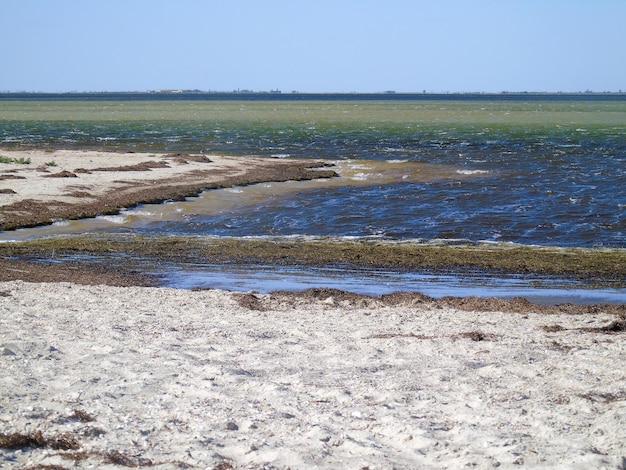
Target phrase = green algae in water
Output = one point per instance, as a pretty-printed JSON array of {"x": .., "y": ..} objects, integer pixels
[{"x": 195, "y": 123}]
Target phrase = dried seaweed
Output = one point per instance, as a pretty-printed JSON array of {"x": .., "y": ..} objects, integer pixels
[
  {"x": 5, "y": 176},
  {"x": 142, "y": 166},
  {"x": 604, "y": 397},
  {"x": 46, "y": 467},
  {"x": 38, "y": 440},
  {"x": 249, "y": 301},
  {"x": 61, "y": 174},
  {"x": 83, "y": 416},
  {"x": 118, "y": 458},
  {"x": 477, "y": 336},
  {"x": 617, "y": 326},
  {"x": 552, "y": 328},
  {"x": 401, "y": 335}
]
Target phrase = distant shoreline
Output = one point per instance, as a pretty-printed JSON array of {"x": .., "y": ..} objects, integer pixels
[{"x": 247, "y": 95}]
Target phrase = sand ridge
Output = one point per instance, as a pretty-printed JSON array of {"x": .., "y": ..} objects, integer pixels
[
  {"x": 91, "y": 172},
  {"x": 39, "y": 186}
]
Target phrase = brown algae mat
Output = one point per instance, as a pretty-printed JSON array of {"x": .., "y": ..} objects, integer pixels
[
  {"x": 37, "y": 260},
  {"x": 602, "y": 266}
]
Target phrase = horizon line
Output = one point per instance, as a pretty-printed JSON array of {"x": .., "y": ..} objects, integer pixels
[{"x": 175, "y": 91}]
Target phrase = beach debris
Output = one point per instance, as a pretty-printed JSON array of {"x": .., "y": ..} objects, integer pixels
[
  {"x": 250, "y": 301},
  {"x": 36, "y": 439},
  {"x": 477, "y": 336},
  {"x": 616, "y": 326},
  {"x": 231, "y": 426},
  {"x": 82, "y": 415},
  {"x": 6, "y": 351},
  {"x": 5, "y": 176},
  {"x": 61, "y": 174},
  {"x": 118, "y": 458},
  {"x": 141, "y": 166},
  {"x": 185, "y": 158}
]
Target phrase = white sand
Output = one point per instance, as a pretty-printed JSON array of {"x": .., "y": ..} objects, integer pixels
[
  {"x": 193, "y": 380},
  {"x": 38, "y": 186}
]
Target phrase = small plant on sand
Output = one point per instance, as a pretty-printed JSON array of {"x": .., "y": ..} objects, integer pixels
[
  {"x": 21, "y": 160},
  {"x": 51, "y": 163}
]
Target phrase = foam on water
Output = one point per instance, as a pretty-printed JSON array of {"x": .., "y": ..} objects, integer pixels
[
  {"x": 472, "y": 172},
  {"x": 115, "y": 219}
]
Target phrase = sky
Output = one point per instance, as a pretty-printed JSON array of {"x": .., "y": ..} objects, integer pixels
[{"x": 436, "y": 46}]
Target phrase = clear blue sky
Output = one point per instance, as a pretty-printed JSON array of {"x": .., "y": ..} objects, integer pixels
[{"x": 313, "y": 45}]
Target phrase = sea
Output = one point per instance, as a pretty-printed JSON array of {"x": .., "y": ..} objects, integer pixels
[{"x": 546, "y": 170}]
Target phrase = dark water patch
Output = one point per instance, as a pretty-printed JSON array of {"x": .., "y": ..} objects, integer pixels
[{"x": 490, "y": 208}]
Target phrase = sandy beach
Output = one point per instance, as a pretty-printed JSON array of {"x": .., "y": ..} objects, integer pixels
[
  {"x": 100, "y": 370},
  {"x": 107, "y": 377}
]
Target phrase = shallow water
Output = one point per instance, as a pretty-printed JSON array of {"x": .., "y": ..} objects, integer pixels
[
  {"x": 529, "y": 172},
  {"x": 546, "y": 173},
  {"x": 266, "y": 279}
]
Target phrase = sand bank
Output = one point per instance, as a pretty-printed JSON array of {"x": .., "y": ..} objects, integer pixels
[
  {"x": 107, "y": 377},
  {"x": 38, "y": 186}
]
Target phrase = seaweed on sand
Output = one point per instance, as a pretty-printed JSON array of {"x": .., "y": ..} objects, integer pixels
[
  {"x": 616, "y": 326},
  {"x": 36, "y": 439},
  {"x": 143, "y": 166}
]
